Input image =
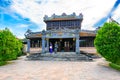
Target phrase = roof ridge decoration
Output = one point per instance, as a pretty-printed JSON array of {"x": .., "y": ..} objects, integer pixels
[{"x": 64, "y": 15}]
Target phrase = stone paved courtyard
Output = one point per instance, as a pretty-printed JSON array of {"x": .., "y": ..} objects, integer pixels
[{"x": 58, "y": 70}]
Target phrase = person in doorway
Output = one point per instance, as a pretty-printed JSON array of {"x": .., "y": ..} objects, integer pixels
[
  {"x": 51, "y": 48},
  {"x": 56, "y": 46}
]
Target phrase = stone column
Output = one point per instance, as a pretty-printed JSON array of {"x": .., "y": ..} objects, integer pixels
[
  {"x": 47, "y": 45},
  {"x": 43, "y": 41},
  {"x": 28, "y": 46},
  {"x": 77, "y": 42},
  {"x": 43, "y": 45}
]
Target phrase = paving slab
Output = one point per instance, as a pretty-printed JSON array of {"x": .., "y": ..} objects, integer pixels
[{"x": 22, "y": 69}]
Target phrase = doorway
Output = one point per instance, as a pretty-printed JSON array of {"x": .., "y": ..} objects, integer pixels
[{"x": 64, "y": 44}]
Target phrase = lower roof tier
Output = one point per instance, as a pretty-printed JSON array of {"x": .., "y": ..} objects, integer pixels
[{"x": 59, "y": 34}]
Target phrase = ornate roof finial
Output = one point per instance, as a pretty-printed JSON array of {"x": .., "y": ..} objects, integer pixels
[
  {"x": 45, "y": 17},
  {"x": 64, "y": 14},
  {"x": 74, "y": 14},
  {"x": 81, "y": 15},
  {"x": 53, "y": 15},
  {"x": 112, "y": 20},
  {"x": 28, "y": 32}
]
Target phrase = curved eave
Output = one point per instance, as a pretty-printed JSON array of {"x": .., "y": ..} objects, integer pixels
[{"x": 34, "y": 35}]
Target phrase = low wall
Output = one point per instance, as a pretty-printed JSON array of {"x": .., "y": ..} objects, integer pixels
[
  {"x": 35, "y": 50},
  {"x": 91, "y": 50}
]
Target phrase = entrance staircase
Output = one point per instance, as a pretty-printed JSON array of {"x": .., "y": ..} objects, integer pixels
[{"x": 59, "y": 56}]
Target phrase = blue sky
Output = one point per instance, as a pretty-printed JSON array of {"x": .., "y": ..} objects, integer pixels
[{"x": 20, "y": 15}]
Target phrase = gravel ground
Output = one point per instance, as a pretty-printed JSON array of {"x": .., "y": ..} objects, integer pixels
[{"x": 58, "y": 70}]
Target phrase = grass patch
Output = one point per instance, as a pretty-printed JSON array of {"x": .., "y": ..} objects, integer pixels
[
  {"x": 2, "y": 63},
  {"x": 115, "y": 66}
]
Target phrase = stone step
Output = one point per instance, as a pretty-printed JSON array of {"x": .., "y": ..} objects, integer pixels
[{"x": 58, "y": 57}]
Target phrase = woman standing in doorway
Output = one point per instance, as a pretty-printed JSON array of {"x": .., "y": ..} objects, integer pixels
[{"x": 51, "y": 48}]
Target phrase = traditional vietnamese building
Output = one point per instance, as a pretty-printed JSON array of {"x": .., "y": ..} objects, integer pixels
[{"x": 65, "y": 30}]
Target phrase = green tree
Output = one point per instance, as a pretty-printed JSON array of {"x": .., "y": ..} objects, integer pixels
[
  {"x": 10, "y": 46},
  {"x": 107, "y": 42}
]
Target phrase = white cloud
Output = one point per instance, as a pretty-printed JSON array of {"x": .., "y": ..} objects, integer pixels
[
  {"x": 23, "y": 26},
  {"x": 18, "y": 33},
  {"x": 93, "y": 10}
]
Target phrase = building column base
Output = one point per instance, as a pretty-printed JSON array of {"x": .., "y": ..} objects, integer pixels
[{"x": 77, "y": 52}]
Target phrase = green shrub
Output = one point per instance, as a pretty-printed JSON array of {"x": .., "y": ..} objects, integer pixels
[
  {"x": 10, "y": 46},
  {"x": 115, "y": 66},
  {"x": 19, "y": 48},
  {"x": 107, "y": 42}
]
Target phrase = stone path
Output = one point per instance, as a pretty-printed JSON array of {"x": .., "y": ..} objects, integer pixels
[{"x": 58, "y": 70}]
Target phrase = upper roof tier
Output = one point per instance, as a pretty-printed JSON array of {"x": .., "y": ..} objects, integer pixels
[{"x": 64, "y": 16}]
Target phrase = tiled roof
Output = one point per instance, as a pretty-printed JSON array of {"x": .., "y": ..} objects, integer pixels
[{"x": 86, "y": 34}]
